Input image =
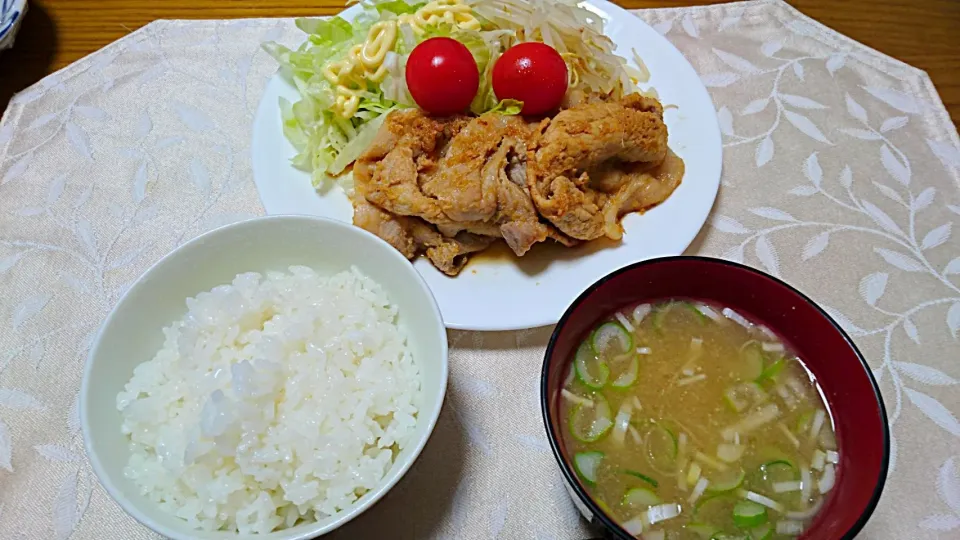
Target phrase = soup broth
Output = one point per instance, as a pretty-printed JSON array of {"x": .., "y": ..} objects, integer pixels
[{"x": 685, "y": 420}]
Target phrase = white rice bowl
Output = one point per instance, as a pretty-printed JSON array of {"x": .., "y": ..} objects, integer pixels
[{"x": 274, "y": 401}]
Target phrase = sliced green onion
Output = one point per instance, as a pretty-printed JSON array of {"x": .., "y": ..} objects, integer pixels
[
  {"x": 672, "y": 427},
  {"x": 709, "y": 312},
  {"x": 640, "y": 498},
  {"x": 779, "y": 470},
  {"x": 701, "y": 318},
  {"x": 591, "y": 371},
  {"x": 771, "y": 371},
  {"x": 734, "y": 401},
  {"x": 748, "y": 514},
  {"x": 737, "y": 318},
  {"x": 704, "y": 531},
  {"x": 629, "y": 376},
  {"x": 573, "y": 398},
  {"x": 659, "y": 315},
  {"x": 588, "y": 424},
  {"x": 586, "y": 465},
  {"x": 611, "y": 340},
  {"x": 715, "y": 509},
  {"x": 731, "y": 453},
  {"x": 740, "y": 396},
  {"x": 771, "y": 453},
  {"x": 661, "y": 448},
  {"x": 643, "y": 477},
  {"x": 713, "y": 504},
  {"x": 751, "y": 355},
  {"x": 763, "y": 532},
  {"x": 727, "y": 481}
]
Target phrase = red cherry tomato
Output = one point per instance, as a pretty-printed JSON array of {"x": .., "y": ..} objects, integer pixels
[
  {"x": 442, "y": 76},
  {"x": 533, "y": 73}
]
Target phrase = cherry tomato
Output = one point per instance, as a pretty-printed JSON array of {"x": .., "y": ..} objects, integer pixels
[
  {"x": 442, "y": 76},
  {"x": 533, "y": 73}
]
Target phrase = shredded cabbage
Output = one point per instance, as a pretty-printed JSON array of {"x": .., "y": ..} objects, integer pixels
[
  {"x": 321, "y": 137},
  {"x": 396, "y": 7},
  {"x": 507, "y": 107}
]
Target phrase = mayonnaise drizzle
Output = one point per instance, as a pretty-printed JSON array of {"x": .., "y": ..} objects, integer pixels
[{"x": 364, "y": 62}]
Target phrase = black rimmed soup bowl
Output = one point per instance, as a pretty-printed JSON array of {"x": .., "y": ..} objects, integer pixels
[{"x": 842, "y": 376}]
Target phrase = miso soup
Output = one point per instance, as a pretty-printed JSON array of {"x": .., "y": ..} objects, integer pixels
[{"x": 686, "y": 420}]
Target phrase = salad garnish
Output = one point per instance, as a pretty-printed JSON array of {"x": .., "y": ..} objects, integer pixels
[{"x": 351, "y": 74}]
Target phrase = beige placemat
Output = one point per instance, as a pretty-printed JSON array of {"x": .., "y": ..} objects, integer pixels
[{"x": 840, "y": 175}]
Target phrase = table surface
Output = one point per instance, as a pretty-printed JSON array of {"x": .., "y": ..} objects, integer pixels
[{"x": 55, "y": 33}]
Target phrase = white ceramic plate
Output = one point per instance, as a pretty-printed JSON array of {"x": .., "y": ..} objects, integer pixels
[{"x": 505, "y": 293}]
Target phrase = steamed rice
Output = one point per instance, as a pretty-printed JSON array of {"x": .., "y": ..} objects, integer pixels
[{"x": 273, "y": 401}]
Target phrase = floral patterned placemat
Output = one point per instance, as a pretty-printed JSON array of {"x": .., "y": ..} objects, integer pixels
[{"x": 841, "y": 174}]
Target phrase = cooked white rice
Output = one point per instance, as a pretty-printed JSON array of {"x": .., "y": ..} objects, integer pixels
[{"x": 274, "y": 400}]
